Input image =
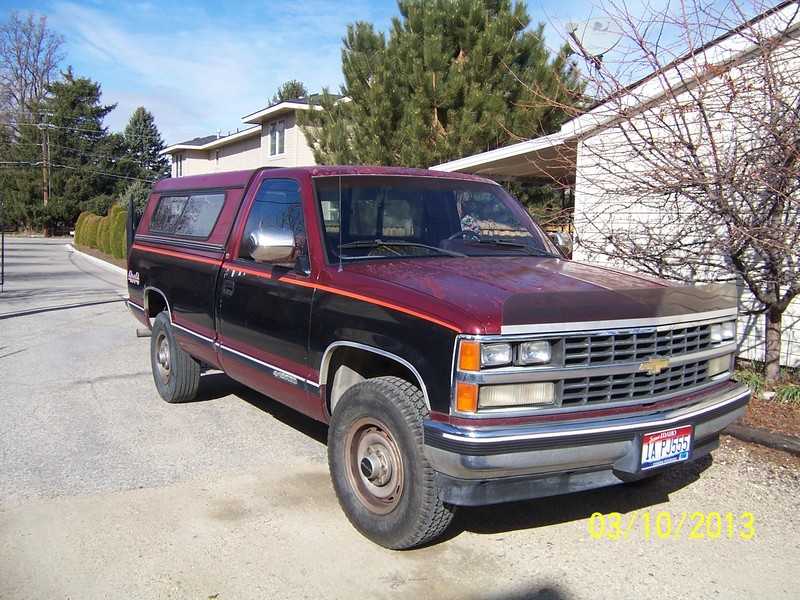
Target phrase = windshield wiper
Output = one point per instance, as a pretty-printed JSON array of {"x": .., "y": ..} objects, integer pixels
[
  {"x": 516, "y": 245},
  {"x": 400, "y": 243}
]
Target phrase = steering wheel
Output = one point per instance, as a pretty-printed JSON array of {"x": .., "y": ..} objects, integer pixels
[{"x": 466, "y": 234}]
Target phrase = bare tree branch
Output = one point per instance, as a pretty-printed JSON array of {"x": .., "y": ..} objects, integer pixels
[{"x": 690, "y": 167}]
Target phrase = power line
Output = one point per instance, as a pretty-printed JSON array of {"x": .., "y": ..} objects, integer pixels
[{"x": 12, "y": 164}]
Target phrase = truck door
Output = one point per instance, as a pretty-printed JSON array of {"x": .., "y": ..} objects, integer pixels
[{"x": 264, "y": 307}]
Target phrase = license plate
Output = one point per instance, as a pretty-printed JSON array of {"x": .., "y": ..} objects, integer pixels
[{"x": 668, "y": 446}]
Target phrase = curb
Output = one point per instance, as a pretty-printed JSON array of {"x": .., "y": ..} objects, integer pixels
[
  {"x": 775, "y": 441},
  {"x": 97, "y": 261}
]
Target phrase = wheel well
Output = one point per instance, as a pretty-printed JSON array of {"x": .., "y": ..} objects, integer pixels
[
  {"x": 350, "y": 365},
  {"x": 154, "y": 303}
]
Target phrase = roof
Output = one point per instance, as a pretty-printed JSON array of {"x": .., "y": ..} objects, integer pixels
[
  {"x": 284, "y": 107},
  {"x": 210, "y": 142},
  {"x": 540, "y": 159}
]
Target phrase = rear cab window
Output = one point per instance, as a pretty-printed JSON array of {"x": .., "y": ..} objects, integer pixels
[{"x": 187, "y": 215}]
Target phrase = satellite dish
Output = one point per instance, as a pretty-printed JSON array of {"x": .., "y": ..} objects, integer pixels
[{"x": 594, "y": 37}]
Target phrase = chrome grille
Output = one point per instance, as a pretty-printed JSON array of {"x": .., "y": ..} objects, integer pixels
[
  {"x": 631, "y": 346},
  {"x": 581, "y": 391}
]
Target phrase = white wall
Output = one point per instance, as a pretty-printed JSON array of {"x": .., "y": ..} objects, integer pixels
[{"x": 612, "y": 187}]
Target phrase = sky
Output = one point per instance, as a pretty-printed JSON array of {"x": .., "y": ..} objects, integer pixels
[{"x": 199, "y": 66}]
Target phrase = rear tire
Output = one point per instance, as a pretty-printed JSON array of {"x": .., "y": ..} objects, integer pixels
[
  {"x": 379, "y": 471},
  {"x": 176, "y": 373}
]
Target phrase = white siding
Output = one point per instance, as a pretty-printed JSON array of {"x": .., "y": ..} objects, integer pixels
[
  {"x": 296, "y": 151},
  {"x": 606, "y": 201},
  {"x": 241, "y": 155},
  {"x": 194, "y": 162}
]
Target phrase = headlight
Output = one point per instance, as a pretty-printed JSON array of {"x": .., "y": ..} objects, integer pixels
[
  {"x": 535, "y": 353},
  {"x": 495, "y": 355},
  {"x": 474, "y": 355},
  {"x": 723, "y": 332}
]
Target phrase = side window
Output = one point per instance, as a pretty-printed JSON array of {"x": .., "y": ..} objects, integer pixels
[
  {"x": 277, "y": 205},
  {"x": 191, "y": 215}
]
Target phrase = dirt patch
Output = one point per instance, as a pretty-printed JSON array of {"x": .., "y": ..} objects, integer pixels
[
  {"x": 774, "y": 461},
  {"x": 772, "y": 416}
]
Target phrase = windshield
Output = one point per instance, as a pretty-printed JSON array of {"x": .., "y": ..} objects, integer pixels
[{"x": 369, "y": 216}]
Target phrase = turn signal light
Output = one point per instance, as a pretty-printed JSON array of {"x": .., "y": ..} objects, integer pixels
[
  {"x": 466, "y": 397},
  {"x": 469, "y": 356}
]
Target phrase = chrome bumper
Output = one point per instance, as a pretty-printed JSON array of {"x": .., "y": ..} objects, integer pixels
[{"x": 478, "y": 466}]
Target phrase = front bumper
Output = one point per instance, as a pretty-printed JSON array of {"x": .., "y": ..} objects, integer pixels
[{"x": 477, "y": 466}]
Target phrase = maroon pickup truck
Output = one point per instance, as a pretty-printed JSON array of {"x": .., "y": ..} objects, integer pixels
[{"x": 458, "y": 357}]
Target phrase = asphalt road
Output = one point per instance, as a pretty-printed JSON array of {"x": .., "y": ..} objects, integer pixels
[{"x": 108, "y": 492}]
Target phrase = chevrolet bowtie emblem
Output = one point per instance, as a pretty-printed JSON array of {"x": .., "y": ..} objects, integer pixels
[{"x": 655, "y": 365}]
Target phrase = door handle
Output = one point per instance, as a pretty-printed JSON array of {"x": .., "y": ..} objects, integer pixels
[{"x": 227, "y": 287}]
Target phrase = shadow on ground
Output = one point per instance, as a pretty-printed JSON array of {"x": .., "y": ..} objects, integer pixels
[
  {"x": 218, "y": 385},
  {"x": 499, "y": 518}
]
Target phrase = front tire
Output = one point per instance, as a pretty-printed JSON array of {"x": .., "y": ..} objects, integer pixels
[
  {"x": 176, "y": 373},
  {"x": 379, "y": 471}
]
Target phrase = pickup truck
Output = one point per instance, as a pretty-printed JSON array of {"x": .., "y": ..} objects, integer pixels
[{"x": 456, "y": 354}]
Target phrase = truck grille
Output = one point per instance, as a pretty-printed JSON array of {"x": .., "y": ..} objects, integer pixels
[
  {"x": 581, "y": 391},
  {"x": 630, "y": 346}
]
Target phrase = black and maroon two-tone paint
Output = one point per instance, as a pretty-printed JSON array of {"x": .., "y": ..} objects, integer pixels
[{"x": 458, "y": 357}]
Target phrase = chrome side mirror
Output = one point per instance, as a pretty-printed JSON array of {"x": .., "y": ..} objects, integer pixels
[
  {"x": 563, "y": 242},
  {"x": 272, "y": 245}
]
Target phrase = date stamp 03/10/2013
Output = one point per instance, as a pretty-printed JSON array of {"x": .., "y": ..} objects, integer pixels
[{"x": 664, "y": 525}]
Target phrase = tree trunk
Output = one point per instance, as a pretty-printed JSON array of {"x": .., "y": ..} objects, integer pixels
[{"x": 772, "y": 350}]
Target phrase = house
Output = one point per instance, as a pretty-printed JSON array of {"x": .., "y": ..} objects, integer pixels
[
  {"x": 273, "y": 139},
  {"x": 595, "y": 153}
]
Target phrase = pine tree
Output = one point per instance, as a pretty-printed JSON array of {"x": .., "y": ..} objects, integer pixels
[
  {"x": 65, "y": 161},
  {"x": 143, "y": 143},
  {"x": 82, "y": 154},
  {"x": 453, "y": 77},
  {"x": 291, "y": 90}
]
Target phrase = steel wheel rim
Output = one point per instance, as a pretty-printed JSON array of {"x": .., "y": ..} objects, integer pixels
[
  {"x": 162, "y": 357},
  {"x": 374, "y": 466}
]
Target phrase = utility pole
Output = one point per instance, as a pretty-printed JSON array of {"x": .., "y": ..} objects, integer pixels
[{"x": 45, "y": 127}]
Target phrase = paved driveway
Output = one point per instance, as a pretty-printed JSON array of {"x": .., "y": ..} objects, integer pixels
[{"x": 107, "y": 491}]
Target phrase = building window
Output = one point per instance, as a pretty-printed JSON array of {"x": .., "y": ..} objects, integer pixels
[
  {"x": 216, "y": 157},
  {"x": 179, "y": 165},
  {"x": 277, "y": 139}
]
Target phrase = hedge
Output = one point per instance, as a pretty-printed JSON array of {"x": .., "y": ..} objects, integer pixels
[
  {"x": 118, "y": 232},
  {"x": 106, "y": 234},
  {"x": 91, "y": 225},
  {"x": 102, "y": 237},
  {"x": 79, "y": 227}
]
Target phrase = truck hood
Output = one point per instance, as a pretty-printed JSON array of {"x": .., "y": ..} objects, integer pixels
[{"x": 519, "y": 295}]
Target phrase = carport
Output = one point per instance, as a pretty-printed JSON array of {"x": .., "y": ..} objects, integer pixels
[
  {"x": 545, "y": 161},
  {"x": 550, "y": 159}
]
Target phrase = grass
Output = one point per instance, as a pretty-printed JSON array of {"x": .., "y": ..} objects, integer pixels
[{"x": 786, "y": 390}]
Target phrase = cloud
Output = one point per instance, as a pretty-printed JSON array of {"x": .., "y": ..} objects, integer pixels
[{"x": 203, "y": 67}]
